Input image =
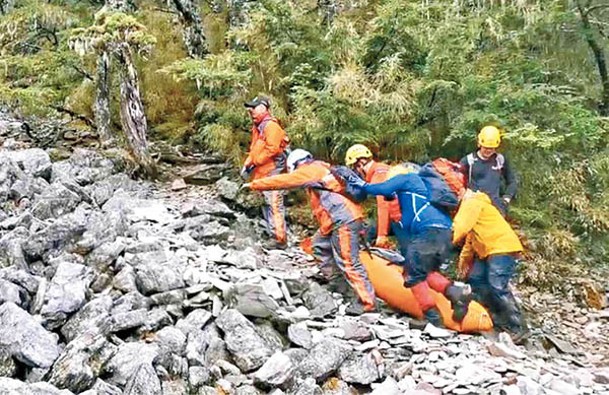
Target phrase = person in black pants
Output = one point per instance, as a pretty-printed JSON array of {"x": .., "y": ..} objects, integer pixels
[{"x": 485, "y": 169}]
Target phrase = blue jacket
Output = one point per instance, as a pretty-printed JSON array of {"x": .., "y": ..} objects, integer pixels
[{"x": 418, "y": 213}]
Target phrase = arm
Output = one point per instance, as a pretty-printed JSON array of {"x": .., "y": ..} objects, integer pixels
[
  {"x": 511, "y": 181},
  {"x": 266, "y": 150},
  {"x": 387, "y": 188},
  {"x": 465, "y": 169},
  {"x": 466, "y": 257},
  {"x": 301, "y": 177},
  {"x": 466, "y": 218},
  {"x": 382, "y": 211}
]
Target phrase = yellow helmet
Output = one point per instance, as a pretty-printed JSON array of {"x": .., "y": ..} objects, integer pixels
[
  {"x": 356, "y": 152},
  {"x": 489, "y": 137},
  {"x": 404, "y": 168}
]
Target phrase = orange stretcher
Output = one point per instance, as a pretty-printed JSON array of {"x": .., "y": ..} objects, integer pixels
[{"x": 388, "y": 282}]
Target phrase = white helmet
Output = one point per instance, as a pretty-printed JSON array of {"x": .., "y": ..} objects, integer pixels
[{"x": 296, "y": 156}]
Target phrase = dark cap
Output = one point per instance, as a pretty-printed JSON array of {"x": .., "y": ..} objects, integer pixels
[{"x": 257, "y": 101}]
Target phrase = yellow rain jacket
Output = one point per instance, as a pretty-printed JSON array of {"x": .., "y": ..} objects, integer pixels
[{"x": 490, "y": 232}]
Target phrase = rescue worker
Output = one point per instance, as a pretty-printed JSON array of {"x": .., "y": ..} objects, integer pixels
[
  {"x": 340, "y": 221},
  {"x": 497, "y": 250},
  {"x": 267, "y": 157},
  {"x": 430, "y": 242},
  {"x": 388, "y": 215},
  {"x": 485, "y": 169}
]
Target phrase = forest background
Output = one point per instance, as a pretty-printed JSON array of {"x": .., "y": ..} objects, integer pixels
[{"x": 414, "y": 80}]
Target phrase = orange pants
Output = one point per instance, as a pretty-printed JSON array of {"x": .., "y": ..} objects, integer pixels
[
  {"x": 274, "y": 215},
  {"x": 341, "y": 248},
  {"x": 435, "y": 281}
]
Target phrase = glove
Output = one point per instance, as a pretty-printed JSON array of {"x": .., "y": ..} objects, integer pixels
[
  {"x": 507, "y": 199},
  {"x": 246, "y": 172},
  {"x": 245, "y": 186},
  {"x": 383, "y": 242}
]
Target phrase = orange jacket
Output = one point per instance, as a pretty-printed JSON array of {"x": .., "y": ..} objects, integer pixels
[
  {"x": 386, "y": 210},
  {"x": 331, "y": 209},
  {"x": 267, "y": 148}
]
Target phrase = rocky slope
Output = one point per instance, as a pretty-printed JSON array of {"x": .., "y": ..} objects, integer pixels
[{"x": 112, "y": 286}]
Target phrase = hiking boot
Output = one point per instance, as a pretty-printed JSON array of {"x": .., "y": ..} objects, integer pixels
[
  {"x": 433, "y": 317},
  {"x": 460, "y": 296},
  {"x": 357, "y": 308},
  {"x": 274, "y": 245}
]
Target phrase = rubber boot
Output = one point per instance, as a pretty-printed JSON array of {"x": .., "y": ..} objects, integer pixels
[
  {"x": 460, "y": 296},
  {"x": 433, "y": 317}
]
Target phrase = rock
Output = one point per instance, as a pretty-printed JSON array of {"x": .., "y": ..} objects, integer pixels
[
  {"x": 55, "y": 201},
  {"x": 501, "y": 350},
  {"x": 144, "y": 381},
  {"x": 529, "y": 387},
  {"x": 300, "y": 335},
  {"x": 307, "y": 386},
  {"x": 334, "y": 386},
  {"x": 101, "y": 387},
  {"x": 324, "y": 358},
  {"x": 13, "y": 293},
  {"x": 601, "y": 376},
  {"x": 16, "y": 387},
  {"x": 8, "y": 367},
  {"x": 131, "y": 301},
  {"x": 198, "y": 376},
  {"x": 158, "y": 278},
  {"x": 206, "y": 230},
  {"x": 271, "y": 336},
  {"x": 250, "y": 300},
  {"x": 177, "y": 296},
  {"x": 356, "y": 331},
  {"x": 359, "y": 370},
  {"x": 26, "y": 339},
  {"x": 388, "y": 387},
  {"x": 227, "y": 189},
  {"x": 319, "y": 301},
  {"x": 105, "y": 255},
  {"x": 247, "y": 347},
  {"x": 34, "y": 162},
  {"x": 272, "y": 288},
  {"x": 510, "y": 390},
  {"x": 127, "y": 320},
  {"x": 66, "y": 292},
  {"x": 195, "y": 320},
  {"x": 178, "y": 184},
  {"x": 562, "y": 387},
  {"x": 206, "y": 174},
  {"x": 125, "y": 280},
  {"x": 277, "y": 371},
  {"x": 80, "y": 363},
  {"x": 196, "y": 346},
  {"x": 561, "y": 345},
  {"x": 437, "y": 333},
  {"x": 127, "y": 361}
]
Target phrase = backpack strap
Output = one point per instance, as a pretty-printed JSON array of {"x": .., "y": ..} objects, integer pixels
[
  {"x": 470, "y": 163},
  {"x": 500, "y": 161},
  {"x": 417, "y": 212}
]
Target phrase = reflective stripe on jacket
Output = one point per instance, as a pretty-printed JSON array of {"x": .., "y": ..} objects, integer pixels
[{"x": 331, "y": 209}]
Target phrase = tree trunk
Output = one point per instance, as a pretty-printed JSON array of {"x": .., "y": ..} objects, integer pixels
[
  {"x": 192, "y": 27},
  {"x": 328, "y": 10},
  {"x": 121, "y": 5},
  {"x": 133, "y": 118},
  {"x": 599, "y": 57},
  {"x": 101, "y": 107},
  {"x": 6, "y": 6}
]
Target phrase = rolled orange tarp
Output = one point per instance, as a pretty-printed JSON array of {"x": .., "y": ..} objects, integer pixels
[{"x": 388, "y": 283}]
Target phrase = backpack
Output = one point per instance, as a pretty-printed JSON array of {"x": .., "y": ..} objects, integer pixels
[
  {"x": 445, "y": 183},
  {"x": 351, "y": 183},
  {"x": 471, "y": 159}
]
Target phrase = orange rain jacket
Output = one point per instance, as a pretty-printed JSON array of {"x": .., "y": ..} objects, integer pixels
[
  {"x": 386, "y": 210},
  {"x": 331, "y": 209},
  {"x": 267, "y": 147}
]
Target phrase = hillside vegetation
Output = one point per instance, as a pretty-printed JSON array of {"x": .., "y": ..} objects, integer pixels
[{"x": 412, "y": 79}]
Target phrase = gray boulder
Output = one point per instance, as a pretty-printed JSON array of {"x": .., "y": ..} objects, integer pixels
[
  {"x": 16, "y": 387},
  {"x": 125, "y": 280},
  {"x": 319, "y": 301},
  {"x": 277, "y": 371},
  {"x": 11, "y": 250},
  {"x": 84, "y": 167},
  {"x": 250, "y": 300},
  {"x": 128, "y": 359},
  {"x": 94, "y": 314},
  {"x": 195, "y": 320},
  {"x": 300, "y": 335},
  {"x": 361, "y": 369},
  {"x": 248, "y": 348},
  {"x": 55, "y": 201},
  {"x": 34, "y": 162},
  {"x": 66, "y": 292},
  {"x": 25, "y": 338},
  {"x": 144, "y": 381},
  {"x": 13, "y": 293},
  {"x": 159, "y": 278},
  {"x": 324, "y": 358},
  {"x": 81, "y": 361}
]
